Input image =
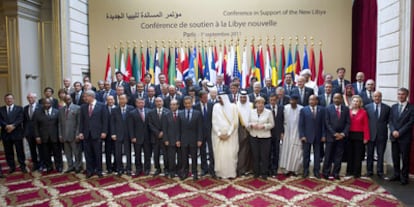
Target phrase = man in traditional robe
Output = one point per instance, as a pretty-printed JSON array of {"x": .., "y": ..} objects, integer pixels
[
  {"x": 291, "y": 152},
  {"x": 244, "y": 162},
  {"x": 225, "y": 137}
]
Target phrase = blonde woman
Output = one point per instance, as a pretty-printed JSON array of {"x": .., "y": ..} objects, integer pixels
[{"x": 259, "y": 125}]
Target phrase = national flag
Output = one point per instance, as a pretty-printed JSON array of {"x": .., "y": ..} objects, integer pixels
[
  {"x": 305, "y": 59},
  {"x": 135, "y": 68},
  {"x": 312, "y": 63},
  {"x": 289, "y": 64},
  {"x": 212, "y": 61},
  {"x": 143, "y": 66},
  {"x": 224, "y": 65},
  {"x": 257, "y": 69},
  {"x": 296, "y": 66},
  {"x": 116, "y": 65},
  {"x": 236, "y": 70},
  {"x": 217, "y": 63},
  {"x": 172, "y": 73},
  {"x": 166, "y": 64},
  {"x": 200, "y": 61},
  {"x": 157, "y": 68},
  {"x": 148, "y": 58},
  {"x": 122, "y": 67},
  {"x": 190, "y": 73},
  {"x": 252, "y": 64},
  {"x": 320, "y": 70},
  {"x": 206, "y": 66},
  {"x": 230, "y": 64},
  {"x": 108, "y": 71},
  {"x": 179, "y": 57},
  {"x": 282, "y": 64},
  {"x": 262, "y": 65},
  {"x": 268, "y": 67},
  {"x": 275, "y": 78},
  {"x": 150, "y": 64},
  {"x": 245, "y": 70},
  {"x": 128, "y": 69}
]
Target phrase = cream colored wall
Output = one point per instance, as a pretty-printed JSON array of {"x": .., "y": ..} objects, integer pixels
[{"x": 333, "y": 28}]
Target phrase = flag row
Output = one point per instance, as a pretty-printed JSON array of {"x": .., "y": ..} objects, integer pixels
[{"x": 206, "y": 63}]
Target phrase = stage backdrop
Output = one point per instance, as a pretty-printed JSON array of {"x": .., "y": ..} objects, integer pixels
[{"x": 127, "y": 20}]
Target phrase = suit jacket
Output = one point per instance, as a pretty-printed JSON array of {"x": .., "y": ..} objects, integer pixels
[
  {"x": 55, "y": 103},
  {"x": 15, "y": 118},
  {"x": 96, "y": 124},
  {"x": 287, "y": 92},
  {"x": 268, "y": 92},
  {"x": 365, "y": 99},
  {"x": 334, "y": 125},
  {"x": 335, "y": 85},
  {"x": 80, "y": 101},
  {"x": 311, "y": 127},
  {"x": 378, "y": 126},
  {"x": 171, "y": 128},
  {"x": 146, "y": 86},
  {"x": 308, "y": 92},
  {"x": 28, "y": 123},
  {"x": 252, "y": 97},
  {"x": 138, "y": 128},
  {"x": 157, "y": 90},
  {"x": 69, "y": 124},
  {"x": 102, "y": 96},
  {"x": 155, "y": 123},
  {"x": 46, "y": 126},
  {"x": 207, "y": 124},
  {"x": 285, "y": 100},
  {"x": 179, "y": 99},
  {"x": 279, "y": 119},
  {"x": 402, "y": 123},
  {"x": 225, "y": 88},
  {"x": 119, "y": 124},
  {"x": 149, "y": 104},
  {"x": 191, "y": 130},
  {"x": 322, "y": 100},
  {"x": 124, "y": 84},
  {"x": 355, "y": 86}
]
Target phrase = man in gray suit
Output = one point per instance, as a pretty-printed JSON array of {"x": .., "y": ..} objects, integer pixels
[{"x": 68, "y": 132}]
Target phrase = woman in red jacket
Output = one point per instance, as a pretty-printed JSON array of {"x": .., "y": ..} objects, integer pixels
[{"x": 358, "y": 137}]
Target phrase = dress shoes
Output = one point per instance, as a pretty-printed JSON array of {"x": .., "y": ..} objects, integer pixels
[
  {"x": 88, "y": 175},
  {"x": 203, "y": 173},
  {"x": 100, "y": 175},
  {"x": 11, "y": 170},
  {"x": 336, "y": 177},
  {"x": 195, "y": 177},
  {"x": 1, "y": 175},
  {"x": 59, "y": 170},
  {"x": 264, "y": 177},
  {"x": 393, "y": 178},
  {"x": 24, "y": 170},
  {"x": 318, "y": 176},
  {"x": 77, "y": 171},
  {"x": 305, "y": 175},
  {"x": 157, "y": 172},
  {"x": 69, "y": 170},
  {"x": 404, "y": 182},
  {"x": 146, "y": 172}
]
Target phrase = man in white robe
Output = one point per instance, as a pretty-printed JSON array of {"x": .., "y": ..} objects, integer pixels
[
  {"x": 225, "y": 139},
  {"x": 245, "y": 157},
  {"x": 291, "y": 151}
]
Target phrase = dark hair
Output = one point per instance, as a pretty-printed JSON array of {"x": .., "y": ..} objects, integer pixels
[
  {"x": 74, "y": 84},
  {"x": 339, "y": 69},
  {"x": 201, "y": 93},
  {"x": 148, "y": 74},
  {"x": 49, "y": 88},
  {"x": 119, "y": 72},
  {"x": 405, "y": 90},
  {"x": 8, "y": 94},
  {"x": 62, "y": 90},
  {"x": 187, "y": 98}
]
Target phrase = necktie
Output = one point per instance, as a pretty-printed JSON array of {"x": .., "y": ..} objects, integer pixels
[
  {"x": 338, "y": 112},
  {"x": 301, "y": 95},
  {"x": 340, "y": 85},
  {"x": 370, "y": 94},
  {"x": 133, "y": 90},
  {"x": 188, "y": 115},
  {"x": 376, "y": 110},
  {"x": 123, "y": 113},
  {"x": 159, "y": 113},
  {"x": 313, "y": 112},
  {"x": 359, "y": 87},
  {"x": 288, "y": 89},
  {"x": 234, "y": 98},
  {"x": 204, "y": 111},
  {"x": 175, "y": 116},
  {"x": 142, "y": 115},
  {"x": 273, "y": 111},
  {"x": 327, "y": 100},
  {"x": 30, "y": 111},
  {"x": 90, "y": 110},
  {"x": 77, "y": 97},
  {"x": 9, "y": 110},
  {"x": 66, "y": 112},
  {"x": 105, "y": 95},
  {"x": 400, "y": 109}
]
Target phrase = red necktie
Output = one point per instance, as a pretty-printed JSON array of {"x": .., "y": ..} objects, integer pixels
[
  {"x": 175, "y": 116},
  {"x": 90, "y": 110},
  {"x": 338, "y": 113}
]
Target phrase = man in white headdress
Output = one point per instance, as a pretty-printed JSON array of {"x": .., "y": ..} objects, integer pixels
[
  {"x": 291, "y": 152},
  {"x": 224, "y": 135},
  {"x": 244, "y": 106},
  {"x": 306, "y": 73}
]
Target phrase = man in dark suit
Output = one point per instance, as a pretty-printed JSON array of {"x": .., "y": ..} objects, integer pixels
[
  {"x": 132, "y": 89},
  {"x": 340, "y": 83},
  {"x": 325, "y": 99},
  {"x": 302, "y": 92},
  {"x": 77, "y": 94},
  {"x": 161, "y": 79},
  {"x": 119, "y": 134},
  {"x": 234, "y": 93},
  {"x": 147, "y": 81},
  {"x": 401, "y": 127},
  {"x": 327, "y": 79},
  {"x": 69, "y": 119},
  {"x": 93, "y": 129},
  {"x": 156, "y": 131},
  {"x": 368, "y": 93},
  {"x": 28, "y": 124},
  {"x": 337, "y": 123},
  {"x": 150, "y": 98},
  {"x": 289, "y": 85},
  {"x": 312, "y": 133},
  {"x": 191, "y": 137},
  {"x": 220, "y": 84},
  {"x": 11, "y": 119},
  {"x": 111, "y": 164},
  {"x": 108, "y": 91},
  {"x": 207, "y": 158},
  {"x": 138, "y": 131},
  {"x": 172, "y": 94},
  {"x": 171, "y": 129},
  {"x": 48, "y": 93},
  {"x": 268, "y": 89},
  {"x": 276, "y": 131},
  {"x": 359, "y": 85},
  {"x": 282, "y": 98},
  {"x": 378, "y": 115},
  {"x": 120, "y": 82},
  {"x": 47, "y": 135},
  {"x": 257, "y": 87}
]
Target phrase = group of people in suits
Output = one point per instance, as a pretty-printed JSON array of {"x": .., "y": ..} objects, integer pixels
[{"x": 339, "y": 120}]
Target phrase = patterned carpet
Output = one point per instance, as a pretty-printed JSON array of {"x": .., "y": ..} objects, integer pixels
[{"x": 57, "y": 189}]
